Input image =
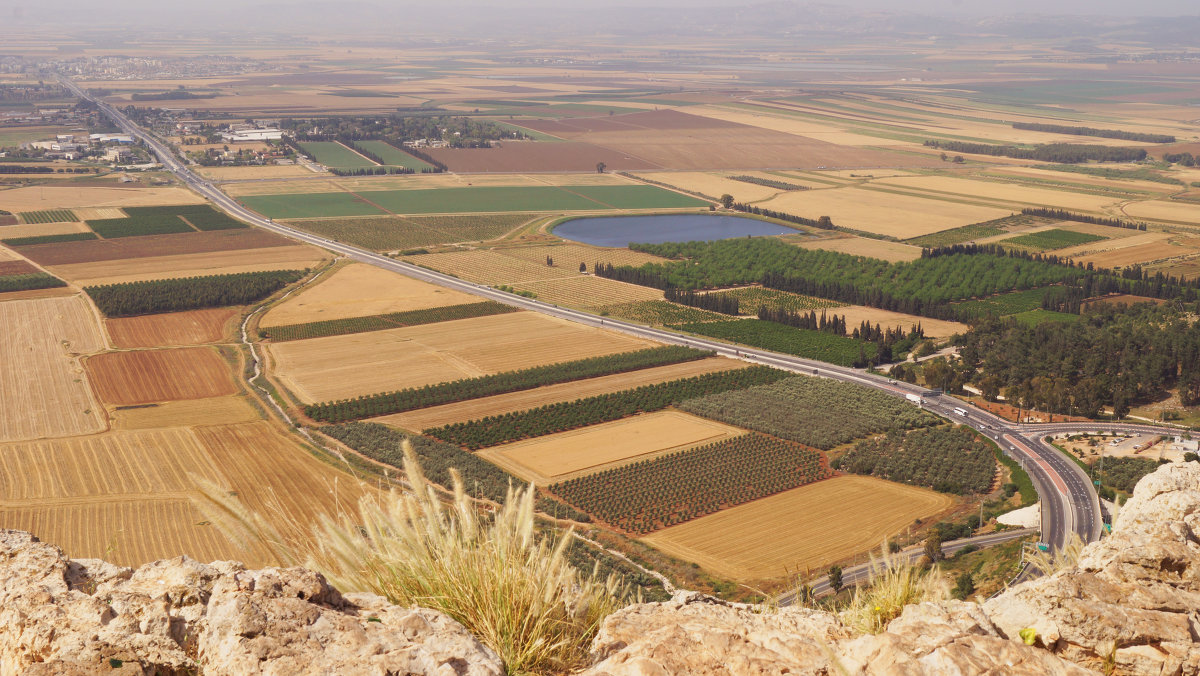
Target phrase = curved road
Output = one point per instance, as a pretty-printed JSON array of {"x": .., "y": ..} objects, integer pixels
[{"x": 1069, "y": 501}]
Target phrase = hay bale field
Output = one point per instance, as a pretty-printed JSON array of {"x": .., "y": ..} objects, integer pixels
[
  {"x": 339, "y": 367},
  {"x": 42, "y": 383},
  {"x": 148, "y": 376},
  {"x": 359, "y": 290},
  {"x": 899, "y": 216},
  {"x": 512, "y": 402},
  {"x": 196, "y": 327},
  {"x": 804, "y": 529},
  {"x": 564, "y": 455}
]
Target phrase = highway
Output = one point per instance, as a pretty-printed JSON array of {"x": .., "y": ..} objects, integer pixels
[{"x": 1069, "y": 501}]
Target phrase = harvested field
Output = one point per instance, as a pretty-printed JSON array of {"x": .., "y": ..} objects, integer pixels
[
  {"x": 561, "y": 456},
  {"x": 588, "y": 292},
  {"x": 490, "y": 267},
  {"x": 196, "y": 327},
  {"x": 516, "y": 156},
  {"x": 340, "y": 367},
  {"x": 147, "y": 376},
  {"x": 893, "y": 252},
  {"x": 1122, "y": 299},
  {"x": 1004, "y": 192},
  {"x": 567, "y": 257},
  {"x": 713, "y": 185},
  {"x": 296, "y": 257},
  {"x": 1175, "y": 212},
  {"x": 253, "y": 173},
  {"x": 803, "y": 529},
  {"x": 188, "y": 413},
  {"x": 37, "y": 198},
  {"x": 437, "y": 416},
  {"x": 42, "y": 383},
  {"x": 1139, "y": 253},
  {"x": 41, "y": 230},
  {"x": 899, "y": 216},
  {"x": 934, "y": 328},
  {"x": 360, "y": 290},
  {"x": 155, "y": 245},
  {"x": 111, "y": 530}
]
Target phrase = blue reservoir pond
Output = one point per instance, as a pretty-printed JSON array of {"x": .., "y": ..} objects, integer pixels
[{"x": 620, "y": 231}]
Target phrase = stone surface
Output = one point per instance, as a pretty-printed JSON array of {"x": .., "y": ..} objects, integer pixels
[{"x": 179, "y": 616}]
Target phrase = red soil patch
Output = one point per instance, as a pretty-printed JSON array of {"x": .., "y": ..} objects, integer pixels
[
  {"x": 1027, "y": 415},
  {"x": 90, "y": 251},
  {"x": 149, "y": 376},
  {"x": 196, "y": 327},
  {"x": 8, "y": 268},
  {"x": 8, "y": 219}
]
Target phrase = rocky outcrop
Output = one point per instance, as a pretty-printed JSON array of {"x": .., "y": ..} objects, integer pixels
[
  {"x": 179, "y": 616},
  {"x": 1131, "y": 605}
]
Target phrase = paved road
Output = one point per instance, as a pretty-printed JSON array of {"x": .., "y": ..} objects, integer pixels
[
  {"x": 1069, "y": 502},
  {"x": 852, "y": 575}
]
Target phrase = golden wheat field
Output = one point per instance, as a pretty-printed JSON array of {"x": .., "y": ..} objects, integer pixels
[
  {"x": 568, "y": 256},
  {"x": 186, "y": 413},
  {"x": 40, "y": 229},
  {"x": 148, "y": 376},
  {"x": 291, "y": 257},
  {"x": 556, "y": 457},
  {"x": 40, "y": 343},
  {"x": 473, "y": 409},
  {"x": 893, "y": 252},
  {"x": 804, "y": 529},
  {"x": 900, "y": 216},
  {"x": 1175, "y": 212},
  {"x": 712, "y": 184},
  {"x": 337, "y": 367},
  {"x": 588, "y": 292},
  {"x": 492, "y": 267},
  {"x": 195, "y": 327},
  {"x": 66, "y": 197},
  {"x": 359, "y": 290},
  {"x": 1003, "y": 192}
]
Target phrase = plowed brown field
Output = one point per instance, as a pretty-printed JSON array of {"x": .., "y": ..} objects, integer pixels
[
  {"x": 42, "y": 385},
  {"x": 174, "y": 328},
  {"x": 147, "y": 376},
  {"x": 337, "y": 367}
]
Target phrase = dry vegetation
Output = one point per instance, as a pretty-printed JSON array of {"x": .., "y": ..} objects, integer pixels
[
  {"x": 804, "y": 529},
  {"x": 148, "y": 376},
  {"x": 296, "y": 257},
  {"x": 42, "y": 383},
  {"x": 213, "y": 411},
  {"x": 338, "y": 367},
  {"x": 196, "y": 327},
  {"x": 36, "y": 198},
  {"x": 555, "y": 457},
  {"x": 883, "y": 213},
  {"x": 588, "y": 292}
]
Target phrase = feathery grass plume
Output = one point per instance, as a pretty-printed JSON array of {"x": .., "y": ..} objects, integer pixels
[
  {"x": 895, "y": 584},
  {"x": 1048, "y": 563},
  {"x": 510, "y": 585}
]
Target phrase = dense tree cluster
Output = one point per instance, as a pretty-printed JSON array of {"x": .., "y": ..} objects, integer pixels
[
  {"x": 812, "y": 411},
  {"x": 43, "y": 169},
  {"x": 564, "y": 416},
  {"x": 648, "y": 495},
  {"x": 1064, "y": 215},
  {"x": 726, "y": 305},
  {"x": 27, "y": 282},
  {"x": 500, "y": 383},
  {"x": 49, "y": 239},
  {"x": 810, "y": 320},
  {"x": 392, "y": 320},
  {"x": 130, "y": 299},
  {"x": 1186, "y": 159},
  {"x": 1064, "y": 153},
  {"x": 1091, "y": 131},
  {"x": 457, "y": 132},
  {"x": 1122, "y": 473},
  {"x": 1113, "y": 356},
  {"x": 948, "y": 459},
  {"x": 821, "y": 345}
]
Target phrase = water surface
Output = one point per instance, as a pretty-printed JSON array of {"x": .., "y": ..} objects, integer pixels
[{"x": 621, "y": 231}]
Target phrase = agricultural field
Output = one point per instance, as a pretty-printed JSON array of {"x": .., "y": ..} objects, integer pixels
[
  {"x": 186, "y": 413},
  {"x": 999, "y": 192},
  {"x": 751, "y": 298},
  {"x": 335, "y": 155},
  {"x": 660, "y": 313},
  {"x": 42, "y": 198},
  {"x": 113, "y": 228},
  {"x": 489, "y": 267},
  {"x": 1002, "y": 304},
  {"x": 806, "y": 343},
  {"x": 272, "y": 259},
  {"x": 514, "y": 402},
  {"x": 359, "y": 290},
  {"x": 947, "y": 459},
  {"x": 1161, "y": 210},
  {"x": 588, "y": 292},
  {"x": 556, "y": 457},
  {"x": 188, "y": 293},
  {"x": 48, "y": 216},
  {"x": 154, "y": 246},
  {"x": 711, "y": 184},
  {"x": 1057, "y": 238},
  {"x": 883, "y": 213},
  {"x": 393, "y": 156},
  {"x": 394, "y": 233},
  {"x": 196, "y": 327},
  {"x": 811, "y": 411},
  {"x": 22, "y": 232},
  {"x": 311, "y": 205},
  {"x": 149, "y": 376},
  {"x": 667, "y": 490},
  {"x": 802, "y": 530},
  {"x": 892, "y": 252},
  {"x": 340, "y": 367},
  {"x": 219, "y": 174},
  {"x": 394, "y": 320},
  {"x": 39, "y": 367},
  {"x": 522, "y": 156},
  {"x": 568, "y": 256},
  {"x": 933, "y": 328},
  {"x": 976, "y": 231}
]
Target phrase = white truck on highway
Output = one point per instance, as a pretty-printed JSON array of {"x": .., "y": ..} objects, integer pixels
[{"x": 915, "y": 398}]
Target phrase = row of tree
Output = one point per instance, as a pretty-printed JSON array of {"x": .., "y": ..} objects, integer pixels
[
  {"x": 716, "y": 302},
  {"x": 130, "y": 299},
  {"x": 824, "y": 222},
  {"x": 1064, "y": 153},
  {"x": 1091, "y": 131},
  {"x": 1064, "y": 215}
]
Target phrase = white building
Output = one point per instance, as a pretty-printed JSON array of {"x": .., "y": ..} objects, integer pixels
[{"x": 245, "y": 135}]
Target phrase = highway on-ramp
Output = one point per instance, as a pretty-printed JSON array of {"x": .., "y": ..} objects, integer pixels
[{"x": 1069, "y": 501}]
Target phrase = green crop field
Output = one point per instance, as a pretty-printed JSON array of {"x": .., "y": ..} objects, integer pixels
[
  {"x": 392, "y": 156},
  {"x": 49, "y": 239},
  {"x": 138, "y": 225},
  {"x": 336, "y": 155},
  {"x": 779, "y": 338},
  {"x": 392, "y": 233},
  {"x": 1051, "y": 239},
  {"x": 1002, "y": 304},
  {"x": 1038, "y": 316},
  {"x": 637, "y": 197},
  {"x": 311, "y": 205},
  {"x": 49, "y": 216},
  {"x": 201, "y": 216},
  {"x": 661, "y": 313},
  {"x": 481, "y": 199}
]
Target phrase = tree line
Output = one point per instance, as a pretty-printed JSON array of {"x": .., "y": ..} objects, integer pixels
[
  {"x": 722, "y": 303},
  {"x": 824, "y": 222},
  {"x": 1065, "y": 153},
  {"x": 1091, "y": 131},
  {"x": 1064, "y": 215},
  {"x": 130, "y": 299}
]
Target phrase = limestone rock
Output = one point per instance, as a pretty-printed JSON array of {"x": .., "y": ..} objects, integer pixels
[{"x": 179, "y": 616}]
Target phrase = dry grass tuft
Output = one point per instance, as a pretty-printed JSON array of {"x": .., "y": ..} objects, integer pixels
[{"x": 895, "y": 584}]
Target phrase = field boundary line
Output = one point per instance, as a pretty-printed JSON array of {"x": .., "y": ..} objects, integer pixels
[
  {"x": 666, "y": 583},
  {"x": 356, "y": 152}
]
